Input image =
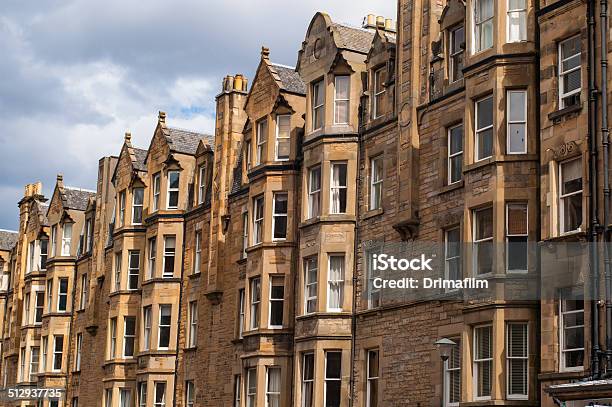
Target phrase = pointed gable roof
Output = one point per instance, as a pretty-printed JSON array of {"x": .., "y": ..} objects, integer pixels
[
  {"x": 185, "y": 141},
  {"x": 8, "y": 239},
  {"x": 290, "y": 79},
  {"x": 352, "y": 38}
]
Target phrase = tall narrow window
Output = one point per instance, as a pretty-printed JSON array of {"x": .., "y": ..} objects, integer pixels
[
  {"x": 197, "y": 258},
  {"x": 83, "y": 292},
  {"x": 49, "y": 296},
  {"x": 121, "y": 208},
  {"x": 379, "y": 92},
  {"x": 39, "y": 307},
  {"x": 142, "y": 394},
  {"x": 125, "y": 397},
  {"x": 189, "y": 394},
  {"x": 335, "y": 283},
  {"x": 58, "y": 352},
  {"x": 245, "y": 234},
  {"x": 452, "y": 376},
  {"x": 89, "y": 235},
  {"x": 160, "y": 394},
  {"x": 53, "y": 240},
  {"x": 372, "y": 378},
  {"x": 517, "y": 122},
  {"x": 137, "y": 203},
  {"x": 31, "y": 256},
  {"x": 571, "y": 327},
  {"x": 255, "y": 302},
  {"x": 134, "y": 269},
  {"x": 455, "y": 154},
  {"x": 483, "y": 24},
  {"x": 201, "y": 184},
  {"x": 22, "y": 364},
  {"x": 570, "y": 72},
  {"x": 318, "y": 105},
  {"x": 240, "y": 312},
  {"x": 277, "y": 300},
  {"x": 516, "y": 237},
  {"x": 44, "y": 254},
  {"x": 251, "y": 396},
  {"x": 484, "y": 128},
  {"x": 34, "y": 357},
  {"x": 341, "y": 99},
  {"x": 517, "y": 20},
  {"x": 79, "y": 350},
  {"x": 112, "y": 329},
  {"x": 308, "y": 380},
  {"x": 517, "y": 360},
  {"x": 483, "y": 361},
  {"x": 147, "y": 319},
  {"x": 249, "y": 159},
  {"x": 62, "y": 295},
  {"x": 193, "y": 324},
  {"x": 258, "y": 217},
  {"x": 173, "y": 190},
  {"x": 273, "y": 386},
  {"x": 483, "y": 240},
  {"x": 283, "y": 137},
  {"x": 25, "y": 319},
  {"x": 165, "y": 321},
  {"x": 338, "y": 187},
  {"x": 570, "y": 195},
  {"x": 156, "y": 191},
  {"x": 262, "y": 136},
  {"x": 333, "y": 378},
  {"x": 45, "y": 347},
  {"x": 279, "y": 224},
  {"x": 452, "y": 254},
  {"x": 118, "y": 260},
  {"x": 66, "y": 239},
  {"x": 314, "y": 192},
  {"x": 169, "y": 252},
  {"x": 129, "y": 336},
  {"x": 152, "y": 256},
  {"x": 310, "y": 285},
  {"x": 237, "y": 391},
  {"x": 376, "y": 182},
  {"x": 455, "y": 53},
  {"x": 108, "y": 398}
]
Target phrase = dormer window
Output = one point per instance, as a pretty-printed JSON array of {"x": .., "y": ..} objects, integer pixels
[
  {"x": 262, "y": 134},
  {"x": 137, "y": 203},
  {"x": 247, "y": 150},
  {"x": 341, "y": 100},
  {"x": 66, "y": 239},
  {"x": 318, "y": 104},
  {"x": 483, "y": 24},
  {"x": 283, "y": 137},
  {"x": 455, "y": 53},
  {"x": 122, "y": 208},
  {"x": 156, "y": 191},
  {"x": 379, "y": 92},
  {"x": 201, "y": 184},
  {"x": 173, "y": 190}
]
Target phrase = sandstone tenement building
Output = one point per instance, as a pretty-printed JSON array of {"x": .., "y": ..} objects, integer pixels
[{"x": 232, "y": 269}]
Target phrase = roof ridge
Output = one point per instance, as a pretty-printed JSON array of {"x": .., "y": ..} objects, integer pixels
[
  {"x": 10, "y": 231},
  {"x": 186, "y": 130},
  {"x": 282, "y": 65},
  {"x": 80, "y": 189},
  {"x": 354, "y": 27}
]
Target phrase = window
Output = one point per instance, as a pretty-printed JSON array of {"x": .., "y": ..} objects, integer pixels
[
  {"x": 89, "y": 235},
  {"x": 197, "y": 258},
  {"x": 570, "y": 196},
  {"x": 255, "y": 302},
  {"x": 22, "y": 364},
  {"x": 517, "y": 122},
  {"x": 237, "y": 390},
  {"x": 58, "y": 352},
  {"x": 240, "y": 312},
  {"x": 156, "y": 191},
  {"x": 189, "y": 393},
  {"x": 133, "y": 269},
  {"x": 26, "y": 310},
  {"x": 258, "y": 216},
  {"x": 333, "y": 378},
  {"x": 338, "y": 187},
  {"x": 169, "y": 251},
  {"x": 146, "y": 316},
  {"x": 165, "y": 320},
  {"x": 173, "y": 190},
  {"x": 129, "y": 336},
  {"x": 118, "y": 271},
  {"x": 374, "y": 293},
  {"x": 75, "y": 402},
  {"x": 372, "y": 378},
  {"x": 43, "y": 254},
  {"x": 571, "y": 326},
  {"x": 455, "y": 53},
  {"x": 279, "y": 216},
  {"x": 517, "y": 360},
  {"x": 49, "y": 295},
  {"x": 310, "y": 285},
  {"x": 152, "y": 255},
  {"x": 455, "y": 154},
  {"x": 62, "y": 295},
  {"x": 262, "y": 135},
  {"x": 483, "y": 240},
  {"x": 79, "y": 348},
  {"x": 516, "y": 237},
  {"x": 201, "y": 184},
  {"x": 247, "y": 149},
  {"x": 484, "y": 128},
  {"x": 314, "y": 192},
  {"x": 112, "y": 329},
  {"x": 43, "y": 359},
  {"x": 335, "y": 283},
  {"x": 142, "y": 394},
  {"x": 452, "y": 376},
  {"x": 31, "y": 256},
  {"x": 39, "y": 307},
  {"x": 452, "y": 254},
  {"x": 160, "y": 394},
  {"x": 570, "y": 72},
  {"x": 277, "y": 297},
  {"x": 125, "y": 397},
  {"x": 376, "y": 182},
  {"x": 66, "y": 239},
  {"x": 245, "y": 234},
  {"x": 341, "y": 99},
  {"x": 517, "y": 20},
  {"x": 483, "y": 24},
  {"x": 251, "y": 387},
  {"x": 137, "y": 203},
  {"x": 108, "y": 397},
  {"x": 379, "y": 92},
  {"x": 193, "y": 324},
  {"x": 273, "y": 386},
  {"x": 121, "y": 208},
  {"x": 483, "y": 361},
  {"x": 53, "y": 239},
  {"x": 283, "y": 137},
  {"x": 318, "y": 105},
  {"x": 307, "y": 379}
]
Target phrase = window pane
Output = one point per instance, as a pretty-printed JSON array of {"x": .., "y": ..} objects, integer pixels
[
  {"x": 572, "y": 176},
  {"x": 485, "y": 113},
  {"x": 484, "y": 223},
  {"x": 456, "y": 140}
]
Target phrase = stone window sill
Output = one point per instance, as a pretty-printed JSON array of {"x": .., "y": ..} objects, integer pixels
[
  {"x": 452, "y": 187},
  {"x": 558, "y": 114},
  {"x": 373, "y": 213}
]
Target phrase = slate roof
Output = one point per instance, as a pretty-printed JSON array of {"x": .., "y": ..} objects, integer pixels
[
  {"x": 290, "y": 79},
  {"x": 185, "y": 141},
  {"x": 77, "y": 198},
  {"x": 8, "y": 239},
  {"x": 42, "y": 210},
  {"x": 237, "y": 181},
  {"x": 140, "y": 155},
  {"x": 352, "y": 38}
]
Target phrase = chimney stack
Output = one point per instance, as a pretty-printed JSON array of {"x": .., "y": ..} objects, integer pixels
[
  {"x": 389, "y": 25},
  {"x": 128, "y": 137},
  {"x": 161, "y": 118}
]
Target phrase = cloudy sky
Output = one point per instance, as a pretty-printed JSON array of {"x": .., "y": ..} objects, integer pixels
[{"x": 77, "y": 74}]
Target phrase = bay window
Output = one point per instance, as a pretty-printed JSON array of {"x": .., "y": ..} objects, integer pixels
[
  {"x": 483, "y": 240},
  {"x": 338, "y": 192},
  {"x": 173, "y": 190},
  {"x": 121, "y": 208},
  {"x": 169, "y": 253},
  {"x": 516, "y": 128},
  {"x": 201, "y": 184},
  {"x": 484, "y": 128},
  {"x": 112, "y": 329},
  {"x": 66, "y": 239},
  {"x": 279, "y": 216},
  {"x": 117, "y": 271},
  {"x": 283, "y": 137},
  {"x": 335, "y": 283},
  {"x": 273, "y": 386},
  {"x": 251, "y": 396},
  {"x": 129, "y": 336},
  {"x": 483, "y": 362},
  {"x": 517, "y": 20},
  {"x": 258, "y": 217},
  {"x": 318, "y": 105},
  {"x": 314, "y": 192},
  {"x": 341, "y": 99},
  {"x": 516, "y": 237},
  {"x": 262, "y": 136},
  {"x": 147, "y": 319},
  {"x": 133, "y": 269},
  {"x": 156, "y": 190},
  {"x": 255, "y": 295},
  {"x": 137, "y": 204},
  {"x": 62, "y": 295},
  {"x": 310, "y": 285},
  {"x": 58, "y": 352},
  {"x": 165, "y": 321},
  {"x": 277, "y": 301},
  {"x": 333, "y": 378},
  {"x": 483, "y": 24},
  {"x": 152, "y": 256},
  {"x": 308, "y": 380},
  {"x": 160, "y": 394},
  {"x": 517, "y": 360},
  {"x": 455, "y": 53}
]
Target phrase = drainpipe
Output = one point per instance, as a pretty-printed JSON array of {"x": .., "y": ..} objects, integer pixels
[
  {"x": 180, "y": 305},
  {"x": 593, "y": 204}
]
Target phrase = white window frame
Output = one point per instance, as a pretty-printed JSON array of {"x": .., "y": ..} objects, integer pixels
[
  {"x": 279, "y": 139},
  {"x": 326, "y": 379},
  {"x": 451, "y": 155},
  {"x": 241, "y": 311},
  {"x": 276, "y": 215},
  {"x": 133, "y": 271},
  {"x": 168, "y": 254},
  {"x": 272, "y": 300},
  {"x": 34, "y": 361},
  {"x": 314, "y": 195},
  {"x": 340, "y": 282},
  {"x": 245, "y": 234},
  {"x": 261, "y": 139},
  {"x": 53, "y": 240},
  {"x": 371, "y": 379},
  {"x": 478, "y": 131},
  {"x": 377, "y": 75},
  {"x": 522, "y": 15},
  {"x": 318, "y": 87},
  {"x": 477, "y": 45},
  {"x": 142, "y": 394},
  {"x": 122, "y": 208},
  {"x": 137, "y": 205},
  {"x": 258, "y": 222},
  {"x": 476, "y": 240},
  {"x": 237, "y": 390},
  {"x": 112, "y": 341},
  {"x": 79, "y": 348},
  {"x": 452, "y": 54},
  {"x": 157, "y": 386},
  {"x": 251, "y": 397},
  {"x": 156, "y": 183},
  {"x": 197, "y": 257},
  {"x": 152, "y": 246},
  {"x": 44, "y": 352},
  {"x": 269, "y": 393},
  {"x": 338, "y": 187},
  {"x": 307, "y": 283},
  {"x": 249, "y": 158},
  {"x": 201, "y": 184},
  {"x": 562, "y": 73},
  {"x": 125, "y": 397},
  {"x": 509, "y": 359},
  {"x": 338, "y": 100},
  {"x": 127, "y": 337},
  {"x": 39, "y": 305},
  {"x": 308, "y": 382},
  {"x": 193, "y": 324},
  {"x": 117, "y": 280},
  {"x": 61, "y": 293},
  {"x": 477, "y": 361},
  {"x": 376, "y": 182},
  {"x": 66, "y": 239},
  {"x": 161, "y": 326},
  {"x": 22, "y": 364},
  {"x": 57, "y": 353},
  {"x": 147, "y": 328},
  {"x": 189, "y": 393},
  {"x": 448, "y": 370},
  {"x": 449, "y": 258},
  {"x": 171, "y": 190},
  {"x": 49, "y": 297},
  {"x": 508, "y": 235},
  {"x": 255, "y": 302},
  {"x": 510, "y": 122},
  {"x": 562, "y": 196},
  {"x": 562, "y": 350}
]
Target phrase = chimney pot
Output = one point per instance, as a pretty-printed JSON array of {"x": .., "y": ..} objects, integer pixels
[
  {"x": 265, "y": 53},
  {"x": 162, "y": 117},
  {"x": 238, "y": 82},
  {"x": 389, "y": 25},
  {"x": 128, "y": 137},
  {"x": 380, "y": 21},
  {"x": 60, "y": 178}
]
